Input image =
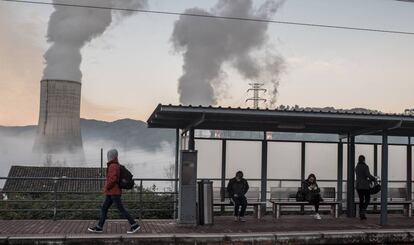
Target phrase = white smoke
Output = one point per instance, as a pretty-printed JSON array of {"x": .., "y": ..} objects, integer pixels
[
  {"x": 16, "y": 149},
  {"x": 70, "y": 28},
  {"x": 207, "y": 43}
]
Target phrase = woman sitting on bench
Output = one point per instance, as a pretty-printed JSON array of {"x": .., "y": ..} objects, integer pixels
[{"x": 312, "y": 193}]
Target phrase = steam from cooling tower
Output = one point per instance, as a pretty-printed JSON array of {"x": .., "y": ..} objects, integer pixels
[
  {"x": 208, "y": 43},
  {"x": 70, "y": 28}
]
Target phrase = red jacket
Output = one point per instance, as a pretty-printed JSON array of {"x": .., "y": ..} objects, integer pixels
[{"x": 112, "y": 179}]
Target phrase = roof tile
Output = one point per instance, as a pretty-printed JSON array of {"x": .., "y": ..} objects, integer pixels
[{"x": 41, "y": 185}]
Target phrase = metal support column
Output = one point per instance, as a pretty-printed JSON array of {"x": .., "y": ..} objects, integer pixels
[
  {"x": 409, "y": 170},
  {"x": 302, "y": 167},
  {"x": 302, "y": 161},
  {"x": 384, "y": 179},
  {"x": 340, "y": 175},
  {"x": 177, "y": 153},
  {"x": 350, "y": 189},
  {"x": 375, "y": 167},
  {"x": 223, "y": 172},
  {"x": 191, "y": 141},
  {"x": 263, "y": 185},
  {"x": 375, "y": 160},
  {"x": 101, "y": 174}
]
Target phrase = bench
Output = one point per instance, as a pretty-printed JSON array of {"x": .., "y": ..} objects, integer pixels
[
  {"x": 396, "y": 196},
  {"x": 286, "y": 196},
  {"x": 253, "y": 200}
]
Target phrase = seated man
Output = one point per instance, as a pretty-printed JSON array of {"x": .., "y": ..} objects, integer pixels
[{"x": 237, "y": 189}]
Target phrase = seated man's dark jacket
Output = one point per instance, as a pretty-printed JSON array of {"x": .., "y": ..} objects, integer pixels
[{"x": 237, "y": 187}]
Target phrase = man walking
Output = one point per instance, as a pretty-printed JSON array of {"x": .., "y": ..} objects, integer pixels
[
  {"x": 113, "y": 195},
  {"x": 237, "y": 189},
  {"x": 363, "y": 184}
]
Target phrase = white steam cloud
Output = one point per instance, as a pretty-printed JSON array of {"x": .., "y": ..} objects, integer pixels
[
  {"x": 70, "y": 28},
  {"x": 207, "y": 44},
  {"x": 16, "y": 149}
]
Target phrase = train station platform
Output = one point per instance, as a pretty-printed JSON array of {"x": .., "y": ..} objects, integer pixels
[{"x": 290, "y": 229}]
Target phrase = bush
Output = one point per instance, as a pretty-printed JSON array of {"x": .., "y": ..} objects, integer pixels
[{"x": 149, "y": 205}]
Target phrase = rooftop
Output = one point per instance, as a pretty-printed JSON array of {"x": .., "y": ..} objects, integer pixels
[
  {"x": 33, "y": 181},
  {"x": 275, "y": 120}
]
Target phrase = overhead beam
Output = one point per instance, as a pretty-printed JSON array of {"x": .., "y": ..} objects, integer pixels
[
  {"x": 373, "y": 130},
  {"x": 194, "y": 124},
  {"x": 296, "y": 115}
]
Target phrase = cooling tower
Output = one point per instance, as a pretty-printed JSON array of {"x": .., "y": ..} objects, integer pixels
[{"x": 59, "y": 118}]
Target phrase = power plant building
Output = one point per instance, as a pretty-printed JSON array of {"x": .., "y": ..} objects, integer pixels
[{"x": 59, "y": 118}]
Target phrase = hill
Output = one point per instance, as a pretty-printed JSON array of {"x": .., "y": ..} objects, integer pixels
[{"x": 127, "y": 133}]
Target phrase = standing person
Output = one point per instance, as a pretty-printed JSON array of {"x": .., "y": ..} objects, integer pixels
[
  {"x": 237, "y": 189},
  {"x": 363, "y": 184},
  {"x": 312, "y": 193},
  {"x": 113, "y": 195}
]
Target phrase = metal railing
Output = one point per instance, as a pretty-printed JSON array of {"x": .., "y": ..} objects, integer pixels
[
  {"x": 150, "y": 198},
  {"x": 57, "y": 196}
]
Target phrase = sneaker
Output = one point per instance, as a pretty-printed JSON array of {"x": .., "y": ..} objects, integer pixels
[
  {"x": 95, "y": 229},
  {"x": 242, "y": 219},
  {"x": 236, "y": 219},
  {"x": 317, "y": 216},
  {"x": 134, "y": 228}
]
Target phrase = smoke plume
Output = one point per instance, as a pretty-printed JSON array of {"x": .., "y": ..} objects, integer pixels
[
  {"x": 208, "y": 43},
  {"x": 70, "y": 28}
]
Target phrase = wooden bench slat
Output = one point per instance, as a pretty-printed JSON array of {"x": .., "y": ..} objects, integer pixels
[
  {"x": 285, "y": 196},
  {"x": 230, "y": 204},
  {"x": 389, "y": 202},
  {"x": 221, "y": 199},
  {"x": 305, "y": 203}
]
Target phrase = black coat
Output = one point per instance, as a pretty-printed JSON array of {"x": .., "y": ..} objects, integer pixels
[
  {"x": 310, "y": 195},
  {"x": 237, "y": 187},
  {"x": 363, "y": 177}
]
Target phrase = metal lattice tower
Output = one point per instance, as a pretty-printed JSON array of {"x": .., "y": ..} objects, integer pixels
[{"x": 256, "y": 88}]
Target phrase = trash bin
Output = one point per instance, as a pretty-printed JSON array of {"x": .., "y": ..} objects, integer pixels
[{"x": 205, "y": 202}]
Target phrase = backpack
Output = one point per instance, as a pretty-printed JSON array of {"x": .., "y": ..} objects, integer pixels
[{"x": 125, "y": 178}]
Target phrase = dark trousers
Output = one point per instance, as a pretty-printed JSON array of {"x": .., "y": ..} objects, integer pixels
[
  {"x": 109, "y": 200},
  {"x": 315, "y": 199},
  {"x": 240, "y": 201},
  {"x": 364, "y": 197}
]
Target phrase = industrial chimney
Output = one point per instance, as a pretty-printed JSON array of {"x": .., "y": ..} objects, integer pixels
[{"x": 59, "y": 120}]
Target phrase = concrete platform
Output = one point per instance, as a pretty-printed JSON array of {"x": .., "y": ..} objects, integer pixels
[{"x": 287, "y": 230}]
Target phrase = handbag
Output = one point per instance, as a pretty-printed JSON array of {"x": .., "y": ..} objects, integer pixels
[
  {"x": 375, "y": 188},
  {"x": 300, "y": 195}
]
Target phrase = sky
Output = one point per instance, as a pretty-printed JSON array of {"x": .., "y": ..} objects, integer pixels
[{"x": 132, "y": 67}]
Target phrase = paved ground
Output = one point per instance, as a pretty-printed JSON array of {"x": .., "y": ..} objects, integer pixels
[{"x": 291, "y": 223}]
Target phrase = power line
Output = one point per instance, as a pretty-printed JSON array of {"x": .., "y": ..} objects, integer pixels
[{"x": 217, "y": 17}]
